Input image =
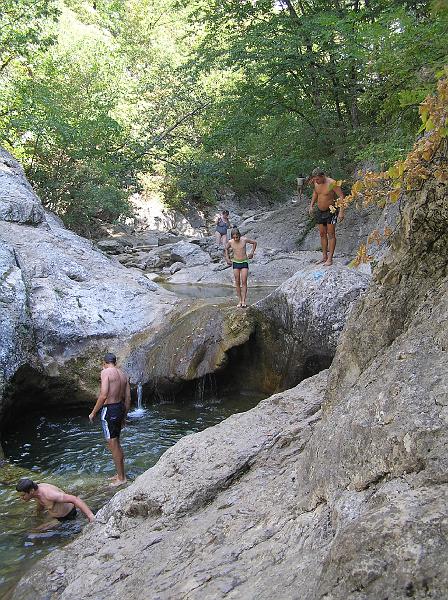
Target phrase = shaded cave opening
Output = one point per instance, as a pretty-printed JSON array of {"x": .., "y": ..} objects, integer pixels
[{"x": 256, "y": 368}]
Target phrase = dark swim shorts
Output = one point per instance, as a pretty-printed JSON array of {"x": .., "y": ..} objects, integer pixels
[
  {"x": 69, "y": 516},
  {"x": 112, "y": 416},
  {"x": 240, "y": 265},
  {"x": 326, "y": 217}
]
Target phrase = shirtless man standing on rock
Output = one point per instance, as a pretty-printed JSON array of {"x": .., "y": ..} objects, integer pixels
[
  {"x": 59, "y": 505},
  {"x": 240, "y": 263},
  {"x": 325, "y": 193},
  {"x": 114, "y": 402}
]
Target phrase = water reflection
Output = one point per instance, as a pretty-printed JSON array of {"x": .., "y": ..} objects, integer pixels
[{"x": 64, "y": 449}]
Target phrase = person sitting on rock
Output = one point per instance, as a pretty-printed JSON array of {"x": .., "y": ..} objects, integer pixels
[
  {"x": 59, "y": 505},
  {"x": 239, "y": 263},
  {"x": 222, "y": 225}
]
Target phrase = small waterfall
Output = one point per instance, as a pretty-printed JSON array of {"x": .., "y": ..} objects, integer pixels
[
  {"x": 139, "y": 411},
  {"x": 139, "y": 396},
  {"x": 206, "y": 387}
]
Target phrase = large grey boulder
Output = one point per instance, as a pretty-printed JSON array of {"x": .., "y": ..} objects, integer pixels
[
  {"x": 15, "y": 321},
  {"x": 312, "y": 306},
  {"x": 18, "y": 202},
  {"x": 72, "y": 301},
  {"x": 189, "y": 254}
]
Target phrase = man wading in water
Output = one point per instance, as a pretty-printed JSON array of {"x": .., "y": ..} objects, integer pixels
[
  {"x": 59, "y": 505},
  {"x": 114, "y": 402},
  {"x": 240, "y": 263},
  {"x": 325, "y": 192}
]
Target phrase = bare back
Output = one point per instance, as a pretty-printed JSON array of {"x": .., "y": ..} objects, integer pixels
[
  {"x": 326, "y": 193},
  {"x": 113, "y": 383},
  {"x": 50, "y": 498}
]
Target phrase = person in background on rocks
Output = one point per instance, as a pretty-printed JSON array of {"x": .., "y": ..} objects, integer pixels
[
  {"x": 59, "y": 505},
  {"x": 325, "y": 194},
  {"x": 222, "y": 225},
  {"x": 114, "y": 402},
  {"x": 239, "y": 263}
]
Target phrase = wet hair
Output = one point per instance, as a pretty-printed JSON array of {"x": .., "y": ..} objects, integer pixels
[
  {"x": 225, "y": 212},
  {"x": 110, "y": 358},
  {"x": 235, "y": 231},
  {"x": 317, "y": 173},
  {"x": 26, "y": 485}
]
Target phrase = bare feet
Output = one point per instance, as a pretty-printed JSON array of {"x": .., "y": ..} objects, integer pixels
[
  {"x": 118, "y": 482},
  {"x": 328, "y": 263},
  {"x": 322, "y": 260}
]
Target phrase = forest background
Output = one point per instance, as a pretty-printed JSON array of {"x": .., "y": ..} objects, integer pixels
[{"x": 103, "y": 98}]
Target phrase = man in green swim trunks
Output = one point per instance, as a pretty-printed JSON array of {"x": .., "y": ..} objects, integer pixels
[{"x": 240, "y": 263}]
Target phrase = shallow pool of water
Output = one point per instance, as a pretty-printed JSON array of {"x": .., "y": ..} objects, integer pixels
[{"x": 64, "y": 449}]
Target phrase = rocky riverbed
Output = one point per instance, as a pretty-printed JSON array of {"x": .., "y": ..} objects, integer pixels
[{"x": 333, "y": 489}]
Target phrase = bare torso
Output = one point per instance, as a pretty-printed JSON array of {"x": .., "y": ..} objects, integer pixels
[
  {"x": 117, "y": 381},
  {"x": 326, "y": 195},
  {"x": 49, "y": 497},
  {"x": 239, "y": 248}
]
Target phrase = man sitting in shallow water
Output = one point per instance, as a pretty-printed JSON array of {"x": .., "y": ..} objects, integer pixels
[{"x": 59, "y": 505}]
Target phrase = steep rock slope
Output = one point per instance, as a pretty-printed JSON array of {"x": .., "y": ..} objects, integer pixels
[
  {"x": 62, "y": 303},
  {"x": 290, "y": 501}
]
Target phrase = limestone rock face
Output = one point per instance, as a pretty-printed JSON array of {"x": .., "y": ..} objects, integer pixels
[
  {"x": 18, "y": 202},
  {"x": 269, "y": 267},
  {"x": 189, "y": 254},
  {"x": 80, "y": 302},
  {"x": 15, "y": 322},
  {"x": 194, "y": 343},
  {"x": 312, "y": 306}
]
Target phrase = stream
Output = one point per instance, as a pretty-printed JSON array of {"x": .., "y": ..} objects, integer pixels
[{"x": 64, "y": 449}]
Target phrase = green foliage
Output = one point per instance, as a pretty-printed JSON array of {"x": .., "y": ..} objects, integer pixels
[
  {"x": 208, "y": 94},
  {"x": 24, "y": 29}
]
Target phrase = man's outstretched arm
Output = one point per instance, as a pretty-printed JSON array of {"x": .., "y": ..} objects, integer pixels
[
  {"x": 254, "y": 245},
  {"x": 79, "y": 504},
  {"x": 338, "y": 190}
]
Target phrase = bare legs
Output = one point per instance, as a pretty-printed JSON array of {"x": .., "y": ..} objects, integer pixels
[
  {"x": 220, "y": 238},
  {"x": 244, "y": 274},
  {"x": 328, "y": 243},
  {"x": 331, "y": 234},
  {"x": 240, "y": 276},
  {"x": 118, "y": 457}
]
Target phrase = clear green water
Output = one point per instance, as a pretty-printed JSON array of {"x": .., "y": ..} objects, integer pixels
[{"x": 64, "y": 449}]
